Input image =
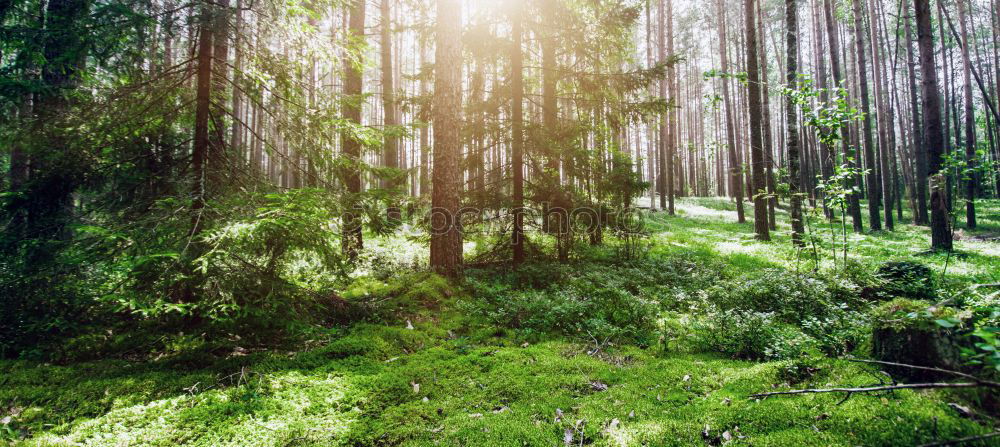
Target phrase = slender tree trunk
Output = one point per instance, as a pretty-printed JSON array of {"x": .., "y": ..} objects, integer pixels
[
  {"x": 735, "y": 177},
  {"x": 920, "y": 146},
  {"x": 203, "y": 99},
  {"x": 791, "y": 123},
  {"x": 517, "y": 142},
  {"x": 425, "y": 150},
  {"x": 833, "y": 33},
  {"x": 826, "y": 158},
  {"x": 664, "y": 177},
  {"x": 217, "y": 156},
  {"x": 236, "y": 136},
  {"x": 768, "y": 141},
  {"x": 874, "y": 186},
  {"x": 884, "y": 117},
  {"x": 671, "y": 136},
  {"x": 390, "y": 150},
  {"x": 970, "y": 118}
]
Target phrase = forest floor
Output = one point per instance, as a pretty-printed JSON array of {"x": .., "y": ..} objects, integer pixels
[{"x": 443, "y": 378}]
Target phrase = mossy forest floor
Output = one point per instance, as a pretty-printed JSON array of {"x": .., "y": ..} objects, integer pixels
[{"x": 442, "y": 378}]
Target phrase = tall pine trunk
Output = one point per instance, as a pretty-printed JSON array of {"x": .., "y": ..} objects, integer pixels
[
  {"x": 735, "y": 172},
  {"x": 874, "y": 187},
  {"x": 352, "y": 239},
  {"x": 970, "y": 118},
  {"x": 791, "y": 122},
  {"x": 517, "y": 137},
  {"x": 390, "y": 150},
  {"x": 446, "y": 236},
  {"x": 932, "y": 130},
  {"x": 759, "y": 192}
]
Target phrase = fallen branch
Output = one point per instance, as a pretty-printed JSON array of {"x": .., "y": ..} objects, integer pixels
[
  {"x": 982, "y": 382},
  {"x": 851, "y": 391},
  {"x": 963, "y": 440}
]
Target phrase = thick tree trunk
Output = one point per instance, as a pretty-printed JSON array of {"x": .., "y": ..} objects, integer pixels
[
  {"x": 759, "y": 192},
  {"x": 933, "y": 136},
  {"x": 446, "y": 236},
  {"x": 517, "y": 137},
  {"x": 352, "y": 240}
]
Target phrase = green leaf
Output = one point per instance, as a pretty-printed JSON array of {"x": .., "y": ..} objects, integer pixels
[{"x": 949, "y": 323}]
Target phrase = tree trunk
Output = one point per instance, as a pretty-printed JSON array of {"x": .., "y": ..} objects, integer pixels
[
  {"x": 352, "y": 240},
  {"x": 671, "y": 135},
  {"x": 791, "y": 123},
  {"x": 759, "y": 192},
  {"x": 933, "y": 136},
  {"x": 874, "y": 186},
  {"x": 446, "y": 236},
  {"x": 735, "y": 173},
  {"x": 390, "y": 151},
  {"x": 884, "y": 117},
  {"x": 920, "y": 147},
  {"x": 203, "y": 99},
  {"x": 970, "y": 119},
  {"x": 833, "y": 33},
  {"x": 517, "y": 137}
]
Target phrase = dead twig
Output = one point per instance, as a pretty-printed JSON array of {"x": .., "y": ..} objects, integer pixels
[
  {"x": 963, "y": 440},
  {"x": 852, "y": 391},
  {"x": 978, "y": 380}
]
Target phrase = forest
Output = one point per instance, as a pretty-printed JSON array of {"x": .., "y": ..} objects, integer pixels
[{"x": 499, "y": 223}]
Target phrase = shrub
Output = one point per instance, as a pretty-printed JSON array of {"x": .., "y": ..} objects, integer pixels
[
  {"x": 751, "y": 335},
  {"x": 906, "y": 279},
  {"x": 581, "y": 308},
  {"x": 791, "y": 297},
  {"x": 396, "y": 298}
]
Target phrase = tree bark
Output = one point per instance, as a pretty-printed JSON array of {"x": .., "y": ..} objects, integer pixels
[
  {"x": 970, "y": 119},
  {"x": 833, "y": 34},
  {"x": 791, "y": 122},
  {"x": 390, "y": 150},
  {"x": 761, "y": 227},
  {"x": 920, "y": 147},
  {"x": 874, "y": 186},
  {"x": 352, "y": 239},
  {"x": 933, "y": 137},
  {"x": 735, "y": 174},
  {"x": 446, "y": 236}
]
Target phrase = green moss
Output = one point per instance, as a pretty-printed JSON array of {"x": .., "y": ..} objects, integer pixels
[
  {"x": 903, "y": 313},
  {"x": 450, "y": 382}
]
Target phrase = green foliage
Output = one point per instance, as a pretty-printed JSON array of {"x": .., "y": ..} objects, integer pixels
[
  {"x": 751, "y": 335},
  {"x": 903, "y": 313},
  {"x": 907, "y": 279}
]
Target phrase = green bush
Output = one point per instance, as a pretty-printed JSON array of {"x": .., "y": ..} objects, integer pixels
[
  {"x": 791, "y": 297},
  {"x": 396, "y": 298},
  {"x": 585, "y": 306},
  {"x": 906, "y": 279},
  {"x": 751, "y": 335},
  {"x": 826, "y": 310}
]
